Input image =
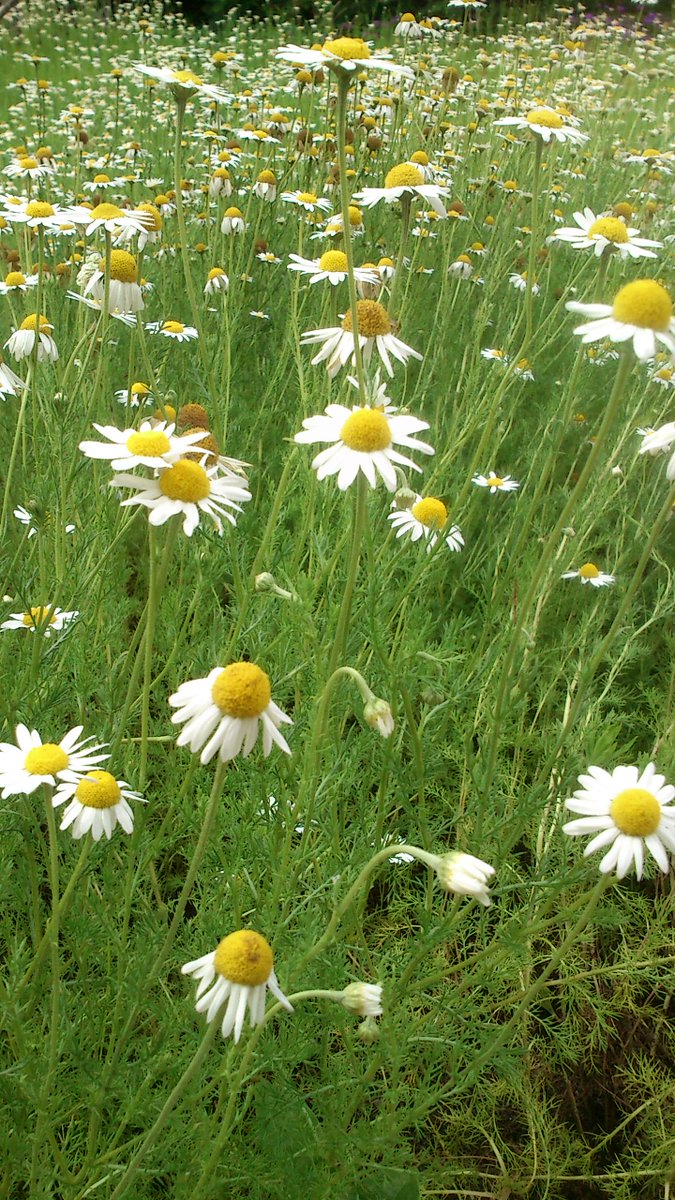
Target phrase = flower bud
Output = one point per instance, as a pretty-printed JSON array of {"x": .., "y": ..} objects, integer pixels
[{"x": 377, "y": 714}]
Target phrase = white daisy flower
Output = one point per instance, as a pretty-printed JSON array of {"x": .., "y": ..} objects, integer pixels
[
  {"x": 406, "y": 179},
  {"x": 22, "y": 342},
  {"x": 344, "y": 55},
  {"x": 189, "y": 488},
  {"x": 626, "y": 811},
  {"x": 10, "y": 384},
  {"x": 496, "y": 483},
  {"x": 375, "y": 333},
  {"x": 32, "y": 762},
  {"x": 124, "y": 291},
  {"x": 237, "y": 974},
  {"x": 426, "y": 518},
  {"x": 362, "y": 999},
  {"x": 98, "y": 802},
  {"x": 26, "y": 167},
  {"x": 110, "y": 218},
  {"x": 309, "y": 201},
  {"x": 589, "y": 573},
  {"x": 664, "y": 376},
  {"x": 38, "y": 214},
  {"x": 233, "y": 221},
  {"x": 216, "y": 282},
  {"x": 173, "y": 329},
  {"x": 363, "y": 439},
  {"x": 153, "y": 445},
  {"x": 547, "y": 123},
  {"x": 519, "y": 281},
  {"x": 222, "y": 713},
  {"x": 135, "y": 396},
  {"x": 331, "y": 266},
  {"x": 16, "y": 281},
  {"x": 461, "y": 267},
  {"x": 183, "y": 84},
  {"x": 605, "y": 233},
  {"x": 42, "y": 618},
  {"x": 642, "y": 311},
  {"x": 657, "y": 441}
]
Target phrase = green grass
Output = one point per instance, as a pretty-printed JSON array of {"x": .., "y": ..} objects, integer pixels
[{"x": 525, "y": 1049}]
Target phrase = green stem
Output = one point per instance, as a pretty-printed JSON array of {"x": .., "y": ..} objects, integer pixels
[
  {"x": 360, "y": 516},
  {"x": 341, "y": 122}
]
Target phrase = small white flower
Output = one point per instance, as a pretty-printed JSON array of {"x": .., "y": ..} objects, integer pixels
[
  {"x": 426, "y": 518},
  {"x": 363, "y": 439},
  {"x": 98, "y": 802},
  {"x": 496, "y": 483},
  {"x": 627, "y": 811},
  {"x": 642, "y": 311},
  {"x": 236, "y": 974},
  {"x": 31, "y": 761},
  {"x": 589, "y": 573},
  {"x": 221, "y": 713}
]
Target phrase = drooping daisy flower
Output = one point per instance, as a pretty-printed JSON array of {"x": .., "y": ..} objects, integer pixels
[
  {"x": 32, "y": 762},
  {"x": 605, "y": 233},
  {"x": 589, "y": 573},
  {"x": 97, "y": 307},
  {"x": 404, "y": 180},
  {"x": 233, "y": 221},
  {"x": 153, "y": 445},
  {"x": 362, "y": 999},
  {"x": 183, "y": 84},
  {"x": 98, "y": 802},
  {"x": 331, "y": 266},
  {"x": 375, "y": 333},
  {"x": 223, "y": 712},
  {"x": 627, "y": 811},
  {"x": 10, "y": 384},
  {"x": 189, "y": 488},
  {"x": 173, "y": 329},
  {"x": 123, "y": 288},
  {"x": 363, "y": 439},
  {"x": 344, "y": 55},
  {"x": 237, "y": 973},
  {"x": 496, "y": 483},
  {"x": 657, "y": 441},
  {"x": 22, "y": 342},
  {"x": 460, "y": 873},
  {"x": 216, "y": 282},
  {"x": 135, "y": 396},
  {"x": 42, "y": 618},
  {"x": 547, "y": 124},
  {"x": 426, "y": 518},
  {"x": 642, "y": 310}
]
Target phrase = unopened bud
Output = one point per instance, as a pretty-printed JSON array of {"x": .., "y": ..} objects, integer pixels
[{"x": 377, "y": 714}]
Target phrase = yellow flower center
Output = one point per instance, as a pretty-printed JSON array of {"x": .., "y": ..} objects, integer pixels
[
  {"x": 609, "y": 227},
  {"x": 355, "y": 217},
  {"x": 122, "y": 266},
  {"x": 150, "y": 443},
  {"x": 101, "y": 179},
  {"x": 665, "y": 373},
  {"x": 233, "y": 212},
  {"x": 510, "y": 185},
  {"x": 430, "y": 512},
  {"x": 366, "y": 430},
  {"x": 589, "y": 571},
  {"x": 495, "y": 481},
  {"x": 244, "y": 957},
  {"x": 385, "y": 262},
  {"x": 636, "y": 812},
  {"x": 651, "y": 153},
  {"x": 215, "y": 273},
  {"x": 405, "y": 175},
  {"x": 14, "y": 279},
  {"x": 39, "y": 208},
  {"x": 372, "y": 319},
  {"x": 420, "y": 157},
  {"x": 187, "y": 77},
  {"x": 33, "y": 321},
  {"x": 644, "y": 303},
  {"x": 267, "y": 177},
  {"x": 542, "y": 116},
  {"x": 173, "y": 327},
  {"x": 407, "y": 19},
  {"x": 139, "y": 389},
  {"x": 106, "y": 212},
  {"x": 156, "y": 215},
  {"x": 348, "y": 48},
  {"x": 38, "y": 616},
  {"x": 333, "y": 260},
  {"x": 28, "y": 164},
  {"x": 98, "y": 789},
  {"x": 242, "y": 690},
  {"x": 186, "y": 481},
  {"x": 463, "y": 258},
  {"x": 45, "y": 760},
  {"x": 307, "y": 197}
]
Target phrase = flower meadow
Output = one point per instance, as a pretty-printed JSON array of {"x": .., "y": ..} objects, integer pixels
[{"x": 338, "y": 458}]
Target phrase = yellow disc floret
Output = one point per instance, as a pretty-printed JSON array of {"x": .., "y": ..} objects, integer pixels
[
  {"x": 366, "y": 431},
  {"x": 307, "y": 197},
  {"x": 187, "y": 77},
  {"x": 589, "y": 571},
  {"x": 544, "y": 117},
  {"x": 39, "y": 208},
  {"x": 186, "y": 481},
  {"x": 244, "y": 957},
  {"x": 266, "y": 177},
  {"x": 611, "y": 228},
  {"x": 122, "y": 266},
  {"x": 636, "y": 812},
  {"x": 153, "y": 223},
  {"x": 173, "y": 327},
  {"x": 347, "y": 48},
  {"x": 14, "y": 279},
  {"x": 98, "y": 789},
  {"x": 495, "y": 481},
  {"x": 644, "y": 303},
  {"x": 149, "y": 443},
  {"x": 45, "y": 760},
  {"x": 34, "y": 322},
  {"x": 430, "y": 512},
  {"x": 106, "y": 212},
  {"x": 333, "y": 260},
  {"x": 372, "y": 319},
  {"x": 405, "y": 175},
  {"x": 37, "y": 616},
  {"x": 242, "y": 690}
]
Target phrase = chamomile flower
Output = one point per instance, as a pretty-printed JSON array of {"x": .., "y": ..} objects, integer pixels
[
  {"x": 426, "y": 518},
  {"x": 41, "y": 618},
  {"x": 223, "y": 712},
  {"x": 309, "y": 201},
  {"x": 589, "y": 573},
  {"x": 153, "y": 445},
  {"x": 628, "y": 812},
  {"x": 363, "y": 439},
  {"x": 190, "y": 489},
  {"x": 135, "y": 396},
  {"x": 605, "y": 233},
  {"x": 98, "y": 803},
  {"x": 657, "y": 441},
  {"x": 109, "y": 218},
  {"x": 21, "y": 344},
  {"x": 460, "y": 873},
  {"x": 10, "y": 384},
  {"x": 236, "y": 975},
  {"x": 406, "y": 179},
  {"x": 39, "y": 214},
  {"x": 182, "y": 84},
  {"x": 546, "y": 123},
  {"x": 31, "y": 762},
  {"x": 375, "y": 333},
  {"x": 642, "y": 311},
  {"x": 362, "y": 999},
  {"x": 496, "y": 483},
  {"x": 123, "y": 288},
  {"x": 217, "y": 282},
  {"x": 233, "y": 221},
  {"x": 16, "y": 281},
  {"x": 344, "y": 55},
  {"x": 331, "y": 266},
  {"x": 173, "y": 329}
]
